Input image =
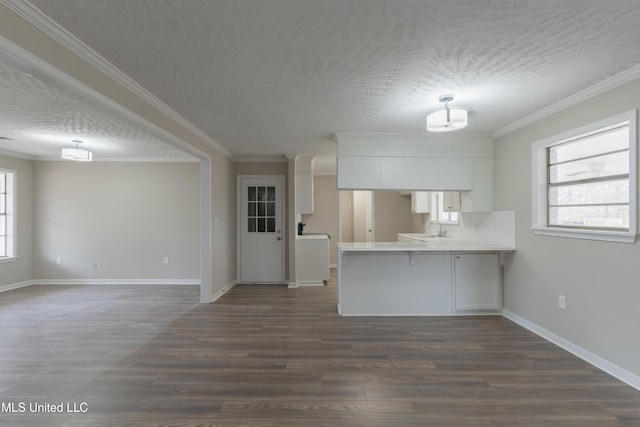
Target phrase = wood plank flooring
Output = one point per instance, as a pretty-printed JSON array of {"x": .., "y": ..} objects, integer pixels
[{"x": 268, "y": 356}]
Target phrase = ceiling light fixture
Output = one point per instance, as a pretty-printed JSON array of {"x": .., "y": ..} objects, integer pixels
[
  {"x": 78, "y": 154},
  {"x": 448, "y": 119}
]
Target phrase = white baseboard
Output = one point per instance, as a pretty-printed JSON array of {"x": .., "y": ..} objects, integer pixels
[
  {"x": 292, "y": 285},
  {"x": 597, "y": 361},
  {"x": 186, "y": 282},
  {"x": 11, "y": 286},
  {"x": 310, "y": 283},
  {"x": 223, "y": 291}
]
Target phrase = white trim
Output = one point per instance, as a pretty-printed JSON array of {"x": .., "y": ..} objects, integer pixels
[
  {"x": 206, "y": 232},
  {"x": 292, "y": 285},
  {"x": 260, "y": 159},
  {"x": 37, "y": 18},
  {"x": 9, "y": 153},
  {"x": 118, "y": 282},
  {"x": 125, "y": 159},
  {"x": 310, "y": 283},
  {"x": 597, "y": 361},
  {"x": 334, "y": 265},
  {"x": 223, "y": 291},
  {"x": 597, "y": 89},
  {"x": 570, "y": 233},
  {"x": 10, "y": 286}
]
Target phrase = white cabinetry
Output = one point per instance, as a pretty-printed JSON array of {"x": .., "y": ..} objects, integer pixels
[
  {"x": 477, "y": 282},
  {"x": 312, "y": 259},
  {"x": 304, "y": 185},
  {"x": 420, "y": 202},
  {"x": 480, "y": 199},
  {"x": 401, "y": 173},
  {"x": 451, "y": 201}
]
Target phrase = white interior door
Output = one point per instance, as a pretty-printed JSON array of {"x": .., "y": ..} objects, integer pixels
[
  {"x": 261, "y": 229},
  {"x": 368, "y": 216},
  {"x": 363, "y": 216}
]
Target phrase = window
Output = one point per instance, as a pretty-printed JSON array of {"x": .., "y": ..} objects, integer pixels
[
  {"x": 7, "y": 229},
  {"x": 585, "y": 180},
  {"x": 261, "y": 204},
  {"x": 444, "y": 217}
]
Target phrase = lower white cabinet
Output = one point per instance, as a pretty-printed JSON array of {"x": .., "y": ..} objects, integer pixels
[
  {"x": 312, "y": 259},
  {"x": 477, "y": 282}
]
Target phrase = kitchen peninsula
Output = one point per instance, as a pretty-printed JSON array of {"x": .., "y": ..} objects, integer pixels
[{"x": 438, "y": 276}]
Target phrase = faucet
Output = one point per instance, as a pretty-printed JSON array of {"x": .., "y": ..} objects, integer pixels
[{"x": 441, "y": 231}]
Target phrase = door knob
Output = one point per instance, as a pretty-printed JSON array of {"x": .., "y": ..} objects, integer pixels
[{"x": 279, "y": 238}]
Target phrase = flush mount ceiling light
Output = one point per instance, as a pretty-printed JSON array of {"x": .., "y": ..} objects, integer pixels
[
  {"x": 77, "y": 154},
  {"x": 448, "y": 119}
]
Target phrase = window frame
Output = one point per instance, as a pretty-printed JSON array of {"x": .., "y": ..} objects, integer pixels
[
  {"x": 540, "y": 184},
  {"x": 442, "y": 216},
  {"x": 10, "y": 215}
]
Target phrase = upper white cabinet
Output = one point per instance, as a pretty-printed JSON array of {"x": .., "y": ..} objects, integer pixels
[
  {"x": 400, "y": 173},
  {"x": 420, "y": 202},
  {"x": 451, "y": 201},
  {"x": 304, "y": 185},
  {"x": 416, "y": 162},
  {"x": 480, "y": 199}
]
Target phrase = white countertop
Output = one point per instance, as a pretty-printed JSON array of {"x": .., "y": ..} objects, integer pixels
[
  {"x": 434, "y": 245},
  {"x": 313, "y": 236}
]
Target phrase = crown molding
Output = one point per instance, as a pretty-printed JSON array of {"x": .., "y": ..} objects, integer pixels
[
  {"x": 597, "y": 89},
  {"x": 9, "y": 153},
  {"x": 37, "y": 18},
  {"x": 260, "y": 159},
  {"x": 421, "y": 136},
  {"x": 121, "y": 159}
]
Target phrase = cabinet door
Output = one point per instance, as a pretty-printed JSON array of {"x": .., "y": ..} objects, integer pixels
[
  {"x": 477, "y": 281},
  {"x": 420, "y": 202},
  {"x": 304, "y": 193},
  {"x": 451, "y": 201}
]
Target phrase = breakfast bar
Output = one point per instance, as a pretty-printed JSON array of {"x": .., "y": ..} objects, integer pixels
[{"x": 433, "y": 277}]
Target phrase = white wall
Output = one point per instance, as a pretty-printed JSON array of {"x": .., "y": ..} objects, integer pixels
[
  {"x": 600, "y": 280},
  {"x": 124, "y": 216},
  {"x": 20, "y": 270},
  {"x": 223, "y": 211}
]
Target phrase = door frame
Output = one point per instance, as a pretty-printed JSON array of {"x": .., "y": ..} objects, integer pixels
[{"x": 285, "y": 222}]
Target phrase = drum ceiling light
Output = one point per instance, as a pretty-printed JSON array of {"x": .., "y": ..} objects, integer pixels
[
  {"x": 78, "y": 154},
  {"x": 448, "y": 119}
]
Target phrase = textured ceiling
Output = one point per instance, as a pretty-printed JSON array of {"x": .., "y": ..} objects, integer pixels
[
  {"x": 39, "y": 116},
  {"x": 273, "y": 77}
]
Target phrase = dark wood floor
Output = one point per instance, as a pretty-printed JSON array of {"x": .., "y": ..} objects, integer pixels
[{"x": 270, "y": 356}]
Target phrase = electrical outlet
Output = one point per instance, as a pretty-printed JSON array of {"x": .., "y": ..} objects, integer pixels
[
  {"x": 562, "y": 302},
  {"x": 165, "y": 260},
  {"x": 94, "y": 265},
  {"x": 58, "y": 260}
]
